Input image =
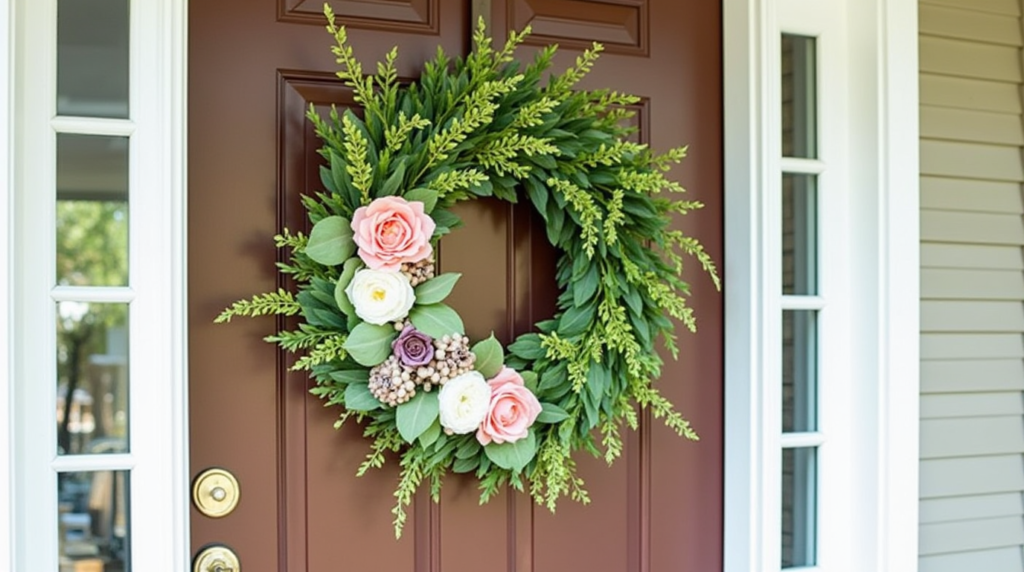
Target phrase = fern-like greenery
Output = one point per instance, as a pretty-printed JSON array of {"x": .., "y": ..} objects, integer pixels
[{"x": 486, "y": 125}]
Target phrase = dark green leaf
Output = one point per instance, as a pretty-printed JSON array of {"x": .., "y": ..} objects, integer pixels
[
  {"x": 465, "y": 465},
  {"x": 584, "y": 288},
  {"x": 576, "y": 320},
  {"x": 394, "y": 182},
  {"x": 527, "y": 346}
]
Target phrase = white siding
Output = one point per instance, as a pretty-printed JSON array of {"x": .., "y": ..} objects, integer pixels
[{"x": 972, "y": 287}]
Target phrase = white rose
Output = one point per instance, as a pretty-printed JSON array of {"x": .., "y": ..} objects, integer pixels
[
  {"x": 380, "y": 297},
  {"x": 464, "y": 401}
]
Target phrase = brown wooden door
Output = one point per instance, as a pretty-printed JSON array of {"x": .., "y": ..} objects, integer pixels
[{"x": 255, "y": 65}]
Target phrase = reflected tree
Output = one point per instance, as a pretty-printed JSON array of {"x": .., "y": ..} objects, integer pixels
[{"x": 92, "y": 250}]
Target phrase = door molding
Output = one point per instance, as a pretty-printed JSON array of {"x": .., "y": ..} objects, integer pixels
[{"x": 881, "y": 532}]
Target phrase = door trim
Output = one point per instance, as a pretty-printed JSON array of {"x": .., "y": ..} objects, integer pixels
[
  {"x": 881, "y": 533},
  {"x": 158, "y": 458}
]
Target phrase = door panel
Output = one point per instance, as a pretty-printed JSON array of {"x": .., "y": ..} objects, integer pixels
[{"x": 254, "y": 69}]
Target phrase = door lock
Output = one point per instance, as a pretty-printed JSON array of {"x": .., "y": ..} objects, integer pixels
[
  {"x": 215, "y": 493},
  {"x": 216, "y": 558}
]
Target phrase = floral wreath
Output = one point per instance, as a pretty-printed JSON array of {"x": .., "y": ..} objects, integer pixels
[{"x": 375, "y": 333}]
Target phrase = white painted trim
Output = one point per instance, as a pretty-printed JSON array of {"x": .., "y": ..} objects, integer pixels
[
  {"x": 880, "y": 530},
  {"x": 7, "y": 522},
  {"x": 158, "y": 458},
  {"x": 751, "y": 493}
]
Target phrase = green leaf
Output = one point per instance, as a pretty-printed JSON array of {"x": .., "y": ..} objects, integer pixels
[
  {"x": 330, "y": 241},
  {"x": 431, "y": 434},
  {"x": 370, "y": 344},
  {"x": 426, "y": 196},
  {"x": 551, "y": 413},
  {"x": 529, "y": 380},
  {"x": 514, "y": 456},
  {"x": 446, "y": 218},
  {"x": 415, "y": 416},
  {"x": 584, "y": 288},
  {"x": 465, "y": 465},
  {"x": 436, "y": 289},
  {"x": 359, "y": 398},
  {"x": 489, "y": 357},
  {"x": 468, "y": 448},
  {"x": 527, "y": 346},
  {"x": 575, "y": 320},
  {"x": 436, "y": 320},
  {"x": 340, "y": 297},
  {"x": 393, "y": 183},
  {"x": 350, "y": 375}
]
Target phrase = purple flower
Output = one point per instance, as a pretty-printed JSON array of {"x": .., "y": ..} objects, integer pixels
[{"x": 413, "y": 347}]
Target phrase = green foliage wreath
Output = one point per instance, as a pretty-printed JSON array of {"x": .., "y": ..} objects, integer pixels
[{"x": 375, "y": 333}]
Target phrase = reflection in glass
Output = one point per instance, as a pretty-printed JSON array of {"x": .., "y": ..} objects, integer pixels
[
  {"x": 93, "y": 517},
  {"x": 92, "y": 210},
  {"x": 799, "y": 507},
  {"x": 799, "y": 370},
  {"x": 92, "y": 378},
  {"x": 799, "y": 97},
  {"x": 92, "y": 58},
  {"x": 799, "y": 234}
]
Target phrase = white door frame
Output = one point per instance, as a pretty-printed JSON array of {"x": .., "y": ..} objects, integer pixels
[
  {"x": 158, "y": 459},
  {"x": 881, "y": 532}
]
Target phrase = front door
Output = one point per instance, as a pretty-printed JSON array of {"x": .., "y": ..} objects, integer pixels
[{"x": 255, "y": 66}]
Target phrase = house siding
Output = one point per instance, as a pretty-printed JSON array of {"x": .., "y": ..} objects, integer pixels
[{"x": 972, "y": 287}]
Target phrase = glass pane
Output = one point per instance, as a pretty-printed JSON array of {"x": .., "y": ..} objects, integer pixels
[
  {"x": 92, "y": 378},
  {"x": 92, "y": 58},
  {"x": 92, "y": 210},
  {"x": 799, "y": 97},
  {"x": 799, "y": 507},
  {"x": 799, "y": 370},
  {"x": 799, "y": 234},
  {"x": 93, "y": 521}
]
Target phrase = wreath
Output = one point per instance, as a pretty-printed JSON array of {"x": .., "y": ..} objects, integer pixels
[{"x": 375, "y": 333}]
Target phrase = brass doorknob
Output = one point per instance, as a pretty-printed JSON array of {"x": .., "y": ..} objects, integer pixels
[
  {"x": 216, "y": 558},
  {"x": 215, "y": 493}
]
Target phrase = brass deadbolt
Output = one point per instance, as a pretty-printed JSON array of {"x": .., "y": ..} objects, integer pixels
[
  {"x": 216, "y": 558},
  {"x": 215, "y": 493}
]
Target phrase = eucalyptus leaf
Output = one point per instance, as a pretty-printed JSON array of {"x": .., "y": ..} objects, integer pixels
[
  {"x": 436, "y": 289},
  {"x": 489, "y": 357},
  {"x": 330, "y": 241},
  {"x": 415, "y": 416},
  {"x": 350, "y": 375},
  {"x": 551, "y": 413},
  {"x": 359, "y": 398},
  {"x": 370, "y": 344},
  {"x": 436, "y": 320},
  {"x": 428, "y": 437},
  {"x": 340, "y": 297},
  {"x": 515, "y": 455},
  {"x": 424, "y": 195}
]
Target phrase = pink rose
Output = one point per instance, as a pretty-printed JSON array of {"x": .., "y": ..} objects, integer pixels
[
  {"x": 513, "y": 409},
  {"x": 392, "y": 230}
]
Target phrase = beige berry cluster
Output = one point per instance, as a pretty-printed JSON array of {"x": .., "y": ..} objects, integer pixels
[
  {"x": 393, "y": 383},
  {"x": 419, "y": 272}
]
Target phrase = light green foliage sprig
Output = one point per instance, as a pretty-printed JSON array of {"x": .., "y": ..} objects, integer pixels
[{"x": 487, "y": 125}]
